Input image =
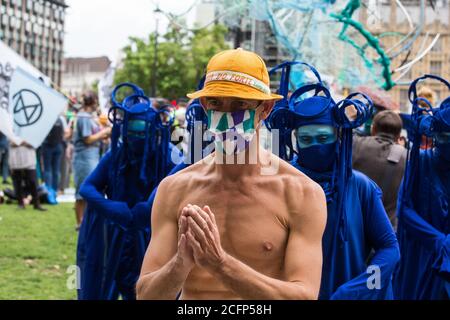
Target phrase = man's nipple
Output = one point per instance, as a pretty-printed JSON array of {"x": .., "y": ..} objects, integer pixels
[{"x": 268, "y": 246}]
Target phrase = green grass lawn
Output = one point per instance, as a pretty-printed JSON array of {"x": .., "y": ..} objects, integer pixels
[{"x": 36, "y": 248}]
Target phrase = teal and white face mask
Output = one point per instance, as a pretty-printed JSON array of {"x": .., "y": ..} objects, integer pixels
[{"x": 233, "y": 131}]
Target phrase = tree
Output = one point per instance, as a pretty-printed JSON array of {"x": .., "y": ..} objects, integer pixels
[
  {"x": 181, "y": 60},
  {"x": 94, "y": 86},
  {"x": 204, "y": 44}
]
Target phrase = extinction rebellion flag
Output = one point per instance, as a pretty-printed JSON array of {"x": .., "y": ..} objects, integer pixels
[{"x": 29, "y": 107}]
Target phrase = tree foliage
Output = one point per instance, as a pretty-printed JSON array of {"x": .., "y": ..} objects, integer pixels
[{"x": 181, "y": 60}]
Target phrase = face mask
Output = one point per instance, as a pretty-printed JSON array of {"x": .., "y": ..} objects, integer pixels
[
  {"x": 233, "y": 131},
  {"x": 136, "y": 145},
  {"x": 318, "y": 158},
  {"x": 136, "y": 136}
]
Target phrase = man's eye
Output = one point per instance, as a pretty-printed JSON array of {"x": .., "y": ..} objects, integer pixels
[
  {"x": 213, "y": 102},
  {"x": 306, "y": 139},
  {"x": 323, "y": 138},
  {"x": 240, "y": 104}
]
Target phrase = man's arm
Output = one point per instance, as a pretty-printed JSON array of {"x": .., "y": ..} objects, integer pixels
[
  {"x": 303, "y": 258},
  {"x": 168, "y": 260},
  {"x": 93, "y": 191}
]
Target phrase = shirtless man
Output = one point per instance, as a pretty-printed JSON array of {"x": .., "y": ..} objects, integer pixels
[{"x": 223, "y": 230}]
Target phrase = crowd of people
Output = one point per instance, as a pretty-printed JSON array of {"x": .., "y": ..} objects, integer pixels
[
  {"x": 165, "y": 210},
  {"x": 71, "y": 151}
]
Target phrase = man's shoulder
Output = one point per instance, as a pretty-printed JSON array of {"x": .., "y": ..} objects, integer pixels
[
  {"x": 291, "y": 173},
  {"x": 298, "y": 186},
  {"x": 367, "y": 141},
  {"x": 181, "y": 179}
]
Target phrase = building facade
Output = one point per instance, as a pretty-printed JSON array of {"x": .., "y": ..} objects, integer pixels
[
  {"x": 246, "y": 33},
  {"x": 437, "y": 61},
  {"x": 385, "y": 17},
  {"x": 35, "y": 29},
  {"x": 81, "y": 74}
]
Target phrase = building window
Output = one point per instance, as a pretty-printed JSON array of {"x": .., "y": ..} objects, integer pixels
[
  {"x": 436, "y": 67},
  {"x": 4, "y": 20}
]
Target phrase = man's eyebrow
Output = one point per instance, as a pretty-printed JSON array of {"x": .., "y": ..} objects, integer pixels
[{"x": 324, "y": 131}]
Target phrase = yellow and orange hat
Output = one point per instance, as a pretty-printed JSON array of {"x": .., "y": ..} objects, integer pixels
[{"x": 236, "y": 73}]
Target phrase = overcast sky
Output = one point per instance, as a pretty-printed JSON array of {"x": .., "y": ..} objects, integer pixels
[{"x": 102, "y": 27}]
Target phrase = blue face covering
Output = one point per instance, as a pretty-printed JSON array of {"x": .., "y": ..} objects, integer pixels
[
  {"x": 318, "y": 158},
  {"x": 317, "y": 147},
  {"x": 136, "y": 136}
]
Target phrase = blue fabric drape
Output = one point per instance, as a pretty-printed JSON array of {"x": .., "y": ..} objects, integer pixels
[
  {"x": 370, "y": 241},
  {"x": 423, "y": 232}
]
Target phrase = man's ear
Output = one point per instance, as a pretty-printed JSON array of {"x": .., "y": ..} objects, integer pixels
[
  {"x": 203, "y": 103},
  {"x": 373, "y": 130},
  {"x": 267, "y": 107}
]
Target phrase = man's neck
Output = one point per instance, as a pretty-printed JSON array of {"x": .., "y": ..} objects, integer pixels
[
  {"x": 245, "y": 164},
  {"x": 386, "y": 136}
]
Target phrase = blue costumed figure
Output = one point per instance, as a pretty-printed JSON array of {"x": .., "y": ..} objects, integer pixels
[
  {"x": 360, "y": 249},
  {"x": 200, "y": 143},
  {"x": 115, "y": 230},
  {"x": 423, "y": 205}
]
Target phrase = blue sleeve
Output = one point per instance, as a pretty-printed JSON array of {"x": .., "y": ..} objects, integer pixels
[
  {"x": 376, "y": 282},
  {"x": 430, "y": 237},
  {"x": 93, "y": 191},
  {"x": 84, "y": 125},
  {"x": 408, "y": 123}
]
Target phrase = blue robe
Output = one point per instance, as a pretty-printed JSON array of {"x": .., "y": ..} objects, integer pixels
[
  {"x": 423, "y": 232},
  {"x": 114, "y": 233},
  {"x": 370, "y": 241}
]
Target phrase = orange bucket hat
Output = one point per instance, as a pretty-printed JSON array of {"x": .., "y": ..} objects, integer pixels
[{"x": 236, "y": 73}]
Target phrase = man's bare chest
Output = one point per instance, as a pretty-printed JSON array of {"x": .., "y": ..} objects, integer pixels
[{"x": 252, "y": 222}]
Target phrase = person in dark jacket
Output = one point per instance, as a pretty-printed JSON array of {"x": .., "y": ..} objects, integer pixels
[{"x": 382, "y": 159}]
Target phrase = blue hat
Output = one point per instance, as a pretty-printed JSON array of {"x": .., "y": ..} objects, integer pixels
[
  {"x": 137, "y": 106},
  {"x": 320, "y": 108}
]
